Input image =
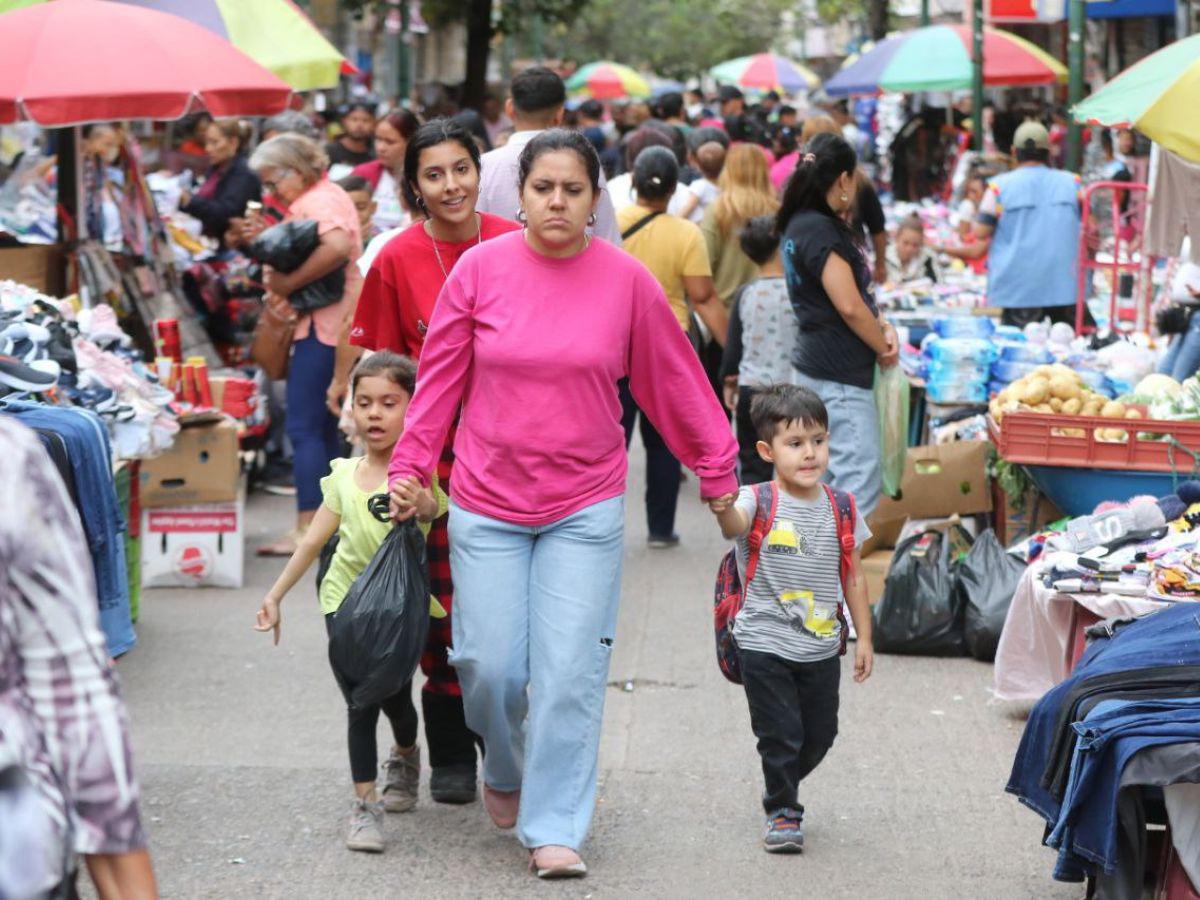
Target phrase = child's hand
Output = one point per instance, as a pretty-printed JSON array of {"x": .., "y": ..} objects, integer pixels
[
  {"x": 719, "y": 505},
  {"x": 427, "y": 507},
  {"x": 406, "y": 496},
  {"x": 864, "y": 661},
  {"x": 269, "y": 618}
]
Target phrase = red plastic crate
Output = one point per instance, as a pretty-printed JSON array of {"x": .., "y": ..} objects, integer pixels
[{"x": 1045, "y": 439}]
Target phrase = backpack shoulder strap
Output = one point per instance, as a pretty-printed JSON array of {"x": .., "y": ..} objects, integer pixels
[
  {"x": 845, "y": 514},
  {"x": 766, "y": 496},
  {"x": 639, "y": 225}
]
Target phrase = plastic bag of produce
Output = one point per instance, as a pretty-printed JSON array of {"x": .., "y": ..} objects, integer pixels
[
  {"x": 985, "y": 582},
  {"x": 379, "y": 630},
  {"x": 919, "y": 613},
  {"x": 891, "y": 404}
]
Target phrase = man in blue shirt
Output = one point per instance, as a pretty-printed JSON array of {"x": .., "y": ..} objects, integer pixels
[{"x": 1031, "y": 216}]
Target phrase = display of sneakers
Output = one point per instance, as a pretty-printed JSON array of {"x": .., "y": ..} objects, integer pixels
[
  {"x": 366, "y": 827},
  {"x": 784, "y": 833},
  {"x": 401, "y": 778},
  {"x": 16, "y": 375}
]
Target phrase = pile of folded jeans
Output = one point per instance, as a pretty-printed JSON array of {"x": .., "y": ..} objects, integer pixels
[{"x": 1095, "y": 745}]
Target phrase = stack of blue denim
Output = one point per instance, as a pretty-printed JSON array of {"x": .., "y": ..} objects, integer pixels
[{"x": 1134, "y": 691}]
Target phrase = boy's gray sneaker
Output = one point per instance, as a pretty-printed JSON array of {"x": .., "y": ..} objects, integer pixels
[
  {"x": 402, "y": 777},
  {"x": 784, "y": 833},
  {"x": 366, "y": 827}
]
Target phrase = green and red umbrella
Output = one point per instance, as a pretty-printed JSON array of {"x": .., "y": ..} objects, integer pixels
[
  {"x": 606, "y": 80},
  {"x": 938, "y": 58},
  {"x": 765, "y": 72},
  {"x": 1159, "y": 96}
]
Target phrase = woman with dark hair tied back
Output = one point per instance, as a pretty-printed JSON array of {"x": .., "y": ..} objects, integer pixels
[
  {"x": 385, "y": 172},
  {"x": 672, "y": 248},
  {"x": 842, "y": 334},
  {"x": 402, "y": 288},
  {"x": 531, "y": 335},
  {"x": 229, "y": 184}
]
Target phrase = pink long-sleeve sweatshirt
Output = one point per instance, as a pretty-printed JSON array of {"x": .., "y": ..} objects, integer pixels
[{"x": 533, "y": 348}]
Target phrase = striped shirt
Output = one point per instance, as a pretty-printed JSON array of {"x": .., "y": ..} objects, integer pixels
[{"x": 792, "y": 602}]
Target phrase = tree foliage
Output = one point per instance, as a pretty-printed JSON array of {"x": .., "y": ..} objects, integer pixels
[{"x": 672, "y": 38}]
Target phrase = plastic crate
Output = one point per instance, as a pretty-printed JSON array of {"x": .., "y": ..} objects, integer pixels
[{"x": 1045, "y": 439}]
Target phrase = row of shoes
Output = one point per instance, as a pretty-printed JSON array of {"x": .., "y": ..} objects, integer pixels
[{"x": 50, "y": 353}]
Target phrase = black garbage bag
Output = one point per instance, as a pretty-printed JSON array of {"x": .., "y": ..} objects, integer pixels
[
  {"x": 986, "y": 581},
  {"x": 285, "y": 247},
  {"x": 918, "y": 613},
  {"x": 379, "y": 631}
]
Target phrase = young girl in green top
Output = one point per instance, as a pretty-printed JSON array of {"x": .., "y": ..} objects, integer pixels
[{"x": 382, "y": 388}]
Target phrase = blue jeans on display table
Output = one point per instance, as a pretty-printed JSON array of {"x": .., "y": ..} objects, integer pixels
[
  {"x": 1182, "y": 359},
  {"x": 310, "y": 425},
  {"x": 535, "y": 614},
  {"x": 86, "y": 439}
]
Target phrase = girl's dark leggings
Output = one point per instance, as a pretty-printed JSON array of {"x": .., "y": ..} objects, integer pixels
[{"x": 361, "y": 728}]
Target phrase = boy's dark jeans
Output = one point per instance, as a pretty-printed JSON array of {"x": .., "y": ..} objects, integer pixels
[
  {"x": 752, "y": 468},
  {"x": 794, "y": 714},
  {"x": 662, "y": 469}
]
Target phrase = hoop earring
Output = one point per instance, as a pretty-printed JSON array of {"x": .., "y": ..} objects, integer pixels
[
  {"x": 592, "y": 220},
  {"x": 421, "y": 202},
  {"x": 845, "y": 198},
  {"x": 521, "y": 217}
]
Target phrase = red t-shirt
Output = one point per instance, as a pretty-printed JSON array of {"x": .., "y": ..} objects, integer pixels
[{"x": 403, "y": 284}]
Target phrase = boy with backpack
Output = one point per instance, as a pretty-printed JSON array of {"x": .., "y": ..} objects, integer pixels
[{"x": 781, "y": 595}]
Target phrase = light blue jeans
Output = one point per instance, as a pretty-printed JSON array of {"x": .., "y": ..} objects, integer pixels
[
  {"x": 1182, "y": 358},
  {"x": 535, "y": 614},
  {"x": 854, "y": 464}
]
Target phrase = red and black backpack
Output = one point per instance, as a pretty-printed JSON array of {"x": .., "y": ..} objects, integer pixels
[{"x": 730, "y": 593}]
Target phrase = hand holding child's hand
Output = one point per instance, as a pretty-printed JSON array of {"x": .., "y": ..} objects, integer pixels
[
  {"x": 406, "y": 496},
  {"x": 719, "y": 505},
  {"x": 269, "y": 618},
  {"x": 864, "y": 661}
]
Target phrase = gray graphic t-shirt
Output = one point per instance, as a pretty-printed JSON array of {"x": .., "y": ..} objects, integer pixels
[{"x": 791, "y": 604}]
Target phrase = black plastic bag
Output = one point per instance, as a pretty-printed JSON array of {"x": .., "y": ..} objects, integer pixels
[
  {"x": 919, "y": 613},
  {"x": 379, "y": 631},
  {"x": 285, "y": 247},
  {"x": 986, "y": 581}
]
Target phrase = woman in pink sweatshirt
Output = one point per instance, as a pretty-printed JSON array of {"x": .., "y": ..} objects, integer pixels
[{"x": 531, "y": 334}]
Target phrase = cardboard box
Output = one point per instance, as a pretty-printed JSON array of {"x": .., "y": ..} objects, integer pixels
[
  {"x": 941, "y": 481},
  {"x": 201, "y": 467},
  {"x": 194, "y": 546},
  {"x": 875, "y": 568},
  {"x": 1015, "y": 521},
  {"x": 41, "y": 266}
]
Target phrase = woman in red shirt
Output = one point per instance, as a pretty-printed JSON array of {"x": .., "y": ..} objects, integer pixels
[{"x": 441, "y": 183}]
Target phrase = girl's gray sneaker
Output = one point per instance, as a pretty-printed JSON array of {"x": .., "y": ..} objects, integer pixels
[
  {"x": 784, "y": 833},
  {"x": 401, "y": 778},
  {"x": 366, "y": 827}
]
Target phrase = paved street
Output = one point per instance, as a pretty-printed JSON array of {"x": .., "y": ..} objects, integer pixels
[{"x": 240, "y": 749}]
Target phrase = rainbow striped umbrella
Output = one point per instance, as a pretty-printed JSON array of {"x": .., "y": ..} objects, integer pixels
[
  {"x": 767, "y": 72},
  {"x": 938, "y": 58},
  {"x": 274, "y": 33},
  {"x": 1158, "y": 95},
  {"x": 606, "y": 80}
]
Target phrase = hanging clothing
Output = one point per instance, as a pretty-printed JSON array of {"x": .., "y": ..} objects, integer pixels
[
  {"x": 1174, "y": 211},
  {"x": 90, "y": 455}
]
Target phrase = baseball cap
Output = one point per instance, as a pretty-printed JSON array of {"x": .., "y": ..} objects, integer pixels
[{"x": 1031, "y": 132}]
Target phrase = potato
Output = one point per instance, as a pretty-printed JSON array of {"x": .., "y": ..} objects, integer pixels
[
  {"x": 1055, "y": 404},
  {"x": 1113, "y": 409},
  {"x": 1133, "y": 414},
  {"x": 1042, "y": 372},
  {"x": 1003, "y": 396},
  {"x": 1110, "y": 435},
  {"x": 1072, "y": 407},
  {"x": 1037, "y": 391},
  {"x": 1062, "y": 387},
  {"x": 1090, "y": 409},
  {"x": 1044, "y": 408}
]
